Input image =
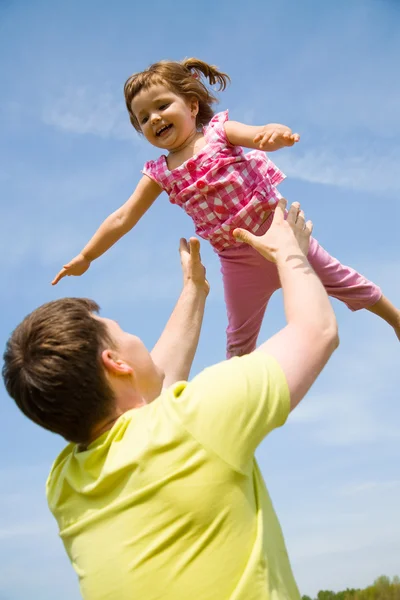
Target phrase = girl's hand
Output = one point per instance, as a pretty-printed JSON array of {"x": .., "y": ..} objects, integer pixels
[
  {"x": 274, "y": 136},
  {"x": 77, "y": 266}
]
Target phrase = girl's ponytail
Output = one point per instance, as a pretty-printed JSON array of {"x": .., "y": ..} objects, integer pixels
[{"x": 210, "y": 72}]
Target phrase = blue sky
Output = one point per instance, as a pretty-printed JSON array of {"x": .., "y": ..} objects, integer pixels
[{"x": 68, "y": 157}]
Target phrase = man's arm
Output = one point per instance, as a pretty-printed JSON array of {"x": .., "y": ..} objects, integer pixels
[
  {"x": 305, "y": 345},
  {"x": 176, "y": 348}
]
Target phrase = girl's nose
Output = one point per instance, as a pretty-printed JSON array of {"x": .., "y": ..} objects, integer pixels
[{"x": 154, "y": 118}]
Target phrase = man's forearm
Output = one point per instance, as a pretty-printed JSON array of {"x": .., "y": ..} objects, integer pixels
[
  {"x": 305, "y": 299},
  {"x": 176, "y": 348},
  {"x": 303, "y": 347}
]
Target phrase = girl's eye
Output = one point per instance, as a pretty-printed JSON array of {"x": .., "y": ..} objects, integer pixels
[
  {"x": 164, "y": 106},
  {"x": 144, "y": 120}
]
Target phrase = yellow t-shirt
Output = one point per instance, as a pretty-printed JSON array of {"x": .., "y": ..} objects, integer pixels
[{"x": 170, "y": 502}]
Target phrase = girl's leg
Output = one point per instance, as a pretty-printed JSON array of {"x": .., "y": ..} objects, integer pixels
[
  {"x": 345, "y": 284},
  {"x": 249, "y": 281},
  {"x": 388, "y": 312}
]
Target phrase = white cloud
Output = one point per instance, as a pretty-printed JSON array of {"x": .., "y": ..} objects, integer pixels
[
  {"x": 344, "y": 539},
  {"x": 357, "y": 407},
  {"x": 365, "y": 172},
  {"x": 26, "y": 528},
  {"x": 368, "y": 487},
  {"x": 84, "y": 110},
  {"x": 350, "y": 90}
]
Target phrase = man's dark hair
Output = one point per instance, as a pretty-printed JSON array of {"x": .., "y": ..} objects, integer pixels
[{"x": 53, "y": 369}]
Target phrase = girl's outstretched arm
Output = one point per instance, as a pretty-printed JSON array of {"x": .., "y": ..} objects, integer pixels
[
  {"x": 113, "y": 228},
  {"x": 264, "y": 137}
]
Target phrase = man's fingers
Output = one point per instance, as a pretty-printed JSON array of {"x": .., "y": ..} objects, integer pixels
[
  {"x": 293, "y": 213},
  {"x": 300, "y": 220},
  {"x": 242, "y": 235},
  {"x": 183, "y": 246},
  {"x": 309, "y": 227},
  {"x": 279, "y": 214},
  {"x": 194, "y": 246}
]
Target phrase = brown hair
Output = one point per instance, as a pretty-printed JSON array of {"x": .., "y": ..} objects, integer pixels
[
  {"x": 184, "y": 79},
  {"x": 53, "y": 370}
]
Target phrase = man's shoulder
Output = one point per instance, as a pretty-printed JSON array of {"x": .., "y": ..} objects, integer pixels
[
  {"x": 57, "y": 468},
  {"x": 235, "y": 376}
]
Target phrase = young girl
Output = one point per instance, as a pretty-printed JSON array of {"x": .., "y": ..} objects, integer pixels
[{"x": 206, "y": 172}]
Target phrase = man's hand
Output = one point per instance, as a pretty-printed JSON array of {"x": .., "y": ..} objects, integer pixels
[
  {"x": 192, "y": 267},
  {"x": 284, "y": 233},
  {"x": 274, "y": 137}
]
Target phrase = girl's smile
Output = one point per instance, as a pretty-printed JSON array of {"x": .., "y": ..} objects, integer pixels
[{"x": 167, "y": 120}]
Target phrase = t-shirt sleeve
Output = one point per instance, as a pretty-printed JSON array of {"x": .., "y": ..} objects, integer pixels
[
  {"x": 153, "y": 169},
  {"x": 230, "y": 407},
  {"x": 215, "y": 130}
]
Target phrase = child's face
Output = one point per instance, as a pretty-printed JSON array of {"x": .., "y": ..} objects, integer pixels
[{"x": 166, "y": 120}]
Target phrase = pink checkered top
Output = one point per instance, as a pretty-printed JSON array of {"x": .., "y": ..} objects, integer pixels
[{"x": 221, "y": 187}]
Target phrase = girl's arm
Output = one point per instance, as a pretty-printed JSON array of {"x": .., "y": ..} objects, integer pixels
[
  {"x": 113, "y": 228},
  {"x": 122, "y": 220},
  {"x": 264, "y": 137}
]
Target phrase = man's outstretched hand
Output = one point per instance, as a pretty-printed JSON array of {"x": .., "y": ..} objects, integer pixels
[
  {"x": 283, "y": 233},
  {"x": 193, "y": 269}
]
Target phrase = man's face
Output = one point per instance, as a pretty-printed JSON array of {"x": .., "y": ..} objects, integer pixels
[{"x": 131, "y": 350}]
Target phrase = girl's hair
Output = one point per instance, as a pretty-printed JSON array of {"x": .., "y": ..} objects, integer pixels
[{"x": 184, "y": 79}]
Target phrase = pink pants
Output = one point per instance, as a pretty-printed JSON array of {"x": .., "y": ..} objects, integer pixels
[{"x": 250, "y": 280}]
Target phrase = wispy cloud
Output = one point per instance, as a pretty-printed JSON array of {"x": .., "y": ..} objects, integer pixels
[
  {"x": 365, "y": 172},
  {"x": 342, "y": 529},
  {"x": 26, "y": 529},
  {"x": 350, "y": 411},
  {"x": 368, "y": 487},
  {"x": 84, "y": 111}
]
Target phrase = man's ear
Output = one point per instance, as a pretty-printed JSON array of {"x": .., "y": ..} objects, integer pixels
[{"x": 115, "y": 365}]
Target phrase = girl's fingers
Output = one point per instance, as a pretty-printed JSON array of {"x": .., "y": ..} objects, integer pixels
[
  {"x": 263, "y": 141},
  {"x": 59, "y": 276},
  {"x": 273, "y": 137}
]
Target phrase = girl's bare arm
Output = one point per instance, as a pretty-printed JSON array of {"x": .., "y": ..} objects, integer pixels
[
  {"x": 263, "y": 137},
  {"x": 113, "y": 228}
]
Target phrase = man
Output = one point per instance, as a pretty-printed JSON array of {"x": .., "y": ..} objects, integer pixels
[{"x": 159, "y": 494}]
